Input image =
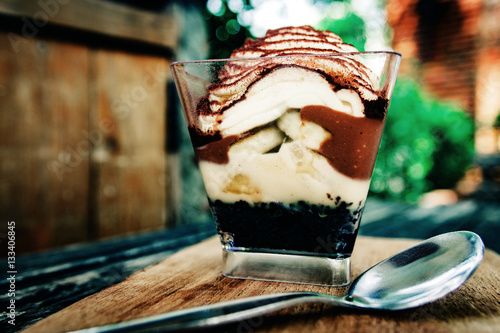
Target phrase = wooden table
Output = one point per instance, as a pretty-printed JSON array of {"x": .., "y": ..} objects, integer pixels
[
  {"x": 192, "y": 277},
  {"x": 49, "y": 281}
]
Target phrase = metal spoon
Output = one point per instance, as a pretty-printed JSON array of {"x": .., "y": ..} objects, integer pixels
[{"x": 418, "y": 275}]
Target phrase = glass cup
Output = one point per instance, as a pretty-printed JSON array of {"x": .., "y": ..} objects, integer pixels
[{"x": 287, "y": 160}]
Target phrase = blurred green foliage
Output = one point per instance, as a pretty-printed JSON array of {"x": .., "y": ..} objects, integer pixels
[
  {"x": 350, "y": 27},
  {"x": 225, "y": 31},
  {"x": 427, "y": 144},
  {"x": 496, "y": 124}
]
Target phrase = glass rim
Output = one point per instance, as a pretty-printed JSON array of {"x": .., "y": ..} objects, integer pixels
[{"x": 333, "y": 54}]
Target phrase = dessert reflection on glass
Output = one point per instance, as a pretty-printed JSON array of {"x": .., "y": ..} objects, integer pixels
[{"x": 286, "y": 133}]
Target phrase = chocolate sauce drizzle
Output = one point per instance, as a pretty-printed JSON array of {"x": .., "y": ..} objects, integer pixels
[
  {"x": 328, "y": 56},
  {"x": 353, "y": 145},
  {"x": 354, "y": 141}
]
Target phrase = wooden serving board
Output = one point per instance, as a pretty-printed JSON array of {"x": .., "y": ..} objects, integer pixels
[{"x": 192, "y": 277}]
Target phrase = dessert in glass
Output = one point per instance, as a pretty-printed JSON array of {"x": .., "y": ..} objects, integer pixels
[{"x": 286, "y": 133}]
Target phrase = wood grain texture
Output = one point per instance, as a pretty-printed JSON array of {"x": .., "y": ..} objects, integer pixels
[
  {"x": 128, "y": 120},
  {"x": 43, "y": 163},
  {"x": 192, "y": 277},
  {"x": 97, "y": 16},
  {"x": 82, "y": 154}
]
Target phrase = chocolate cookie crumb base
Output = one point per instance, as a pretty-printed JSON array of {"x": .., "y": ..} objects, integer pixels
[{"x": 300, "y": 227}]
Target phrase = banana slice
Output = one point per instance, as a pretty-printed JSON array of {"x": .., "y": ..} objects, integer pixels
[
  {"x": 290, "y": 123},
  {"x": 260, "y": 142},
  {"x": 300, "y": 159},
  {"x": 307, "y": 133},
  {"x": 352, "y": 102}
]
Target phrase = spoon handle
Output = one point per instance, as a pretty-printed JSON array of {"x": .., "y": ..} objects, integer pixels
[{"x": 215, "y": 314}]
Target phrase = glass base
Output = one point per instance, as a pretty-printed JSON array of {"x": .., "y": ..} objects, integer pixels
[{"x": 284, "y": 267}]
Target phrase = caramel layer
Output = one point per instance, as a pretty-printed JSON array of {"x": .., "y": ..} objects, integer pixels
[
  {"x": 351, "y": 150},
  {"x": 353, "y": 146}
]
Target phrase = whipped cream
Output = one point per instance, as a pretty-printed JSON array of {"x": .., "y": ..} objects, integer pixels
[
  {"x": 275, "y": 152},
  {"x": 282, "y": 89},
  {"x": 292, "y": 175},
  {"x": 336, "y": 70}
]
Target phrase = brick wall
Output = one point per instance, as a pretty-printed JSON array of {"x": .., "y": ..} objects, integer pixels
[{"x": 454, "y": 47}]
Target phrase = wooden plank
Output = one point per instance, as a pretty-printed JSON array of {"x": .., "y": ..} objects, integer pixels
[
  {"x": 65, "y": 106},
  {"x": 192, "y": 277},
  {"x": 128, "y": 116},
  {"x": 54, "y": 118},
  {"x": 94, "y": 16},
  {"x": 44, "y": 156},
  {"x": 80, "y": 270},
  {"x": 21, "y": 143},
  {"x": 396, "y": 219}
]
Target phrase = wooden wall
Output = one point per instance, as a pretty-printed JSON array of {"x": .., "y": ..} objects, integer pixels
[{"x": 82, "y": 147}]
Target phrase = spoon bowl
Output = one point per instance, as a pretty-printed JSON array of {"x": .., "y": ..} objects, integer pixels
[
  {"x": 421, "y": 274},
  {"x": 416, "y": 276}
]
